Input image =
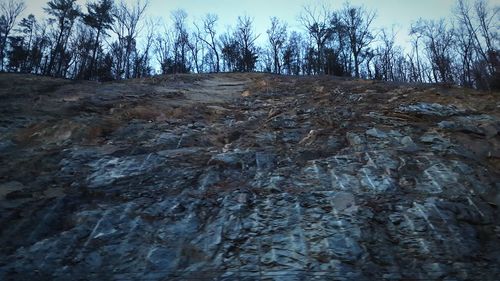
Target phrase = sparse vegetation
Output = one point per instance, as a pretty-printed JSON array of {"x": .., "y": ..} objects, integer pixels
[{"x": 463, "y": 50}]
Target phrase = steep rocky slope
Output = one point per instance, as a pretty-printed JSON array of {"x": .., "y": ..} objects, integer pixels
[{"x": 247, "y": 177}]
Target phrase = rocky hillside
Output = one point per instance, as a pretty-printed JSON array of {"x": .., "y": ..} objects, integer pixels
[{"x": 247, "y": 177}]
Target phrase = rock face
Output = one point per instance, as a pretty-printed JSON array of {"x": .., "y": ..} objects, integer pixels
[{"x": 247, "y": 177}]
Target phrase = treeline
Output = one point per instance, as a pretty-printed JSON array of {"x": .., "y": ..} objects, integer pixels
[{"x": 105, "y": 40}]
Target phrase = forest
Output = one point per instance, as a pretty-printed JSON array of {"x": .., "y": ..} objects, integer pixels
[{"x": 106, "y": 40}]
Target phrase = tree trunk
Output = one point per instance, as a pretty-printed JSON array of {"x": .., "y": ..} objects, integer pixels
[
  {"x": 356, "y": 65},
  {"x": 96, "y": 45}
]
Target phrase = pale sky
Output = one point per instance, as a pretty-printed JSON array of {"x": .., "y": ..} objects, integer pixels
[{"x": 397, "y": 13}]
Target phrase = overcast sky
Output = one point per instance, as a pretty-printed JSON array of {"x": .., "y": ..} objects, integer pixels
[{"x": 397, "y": 13}]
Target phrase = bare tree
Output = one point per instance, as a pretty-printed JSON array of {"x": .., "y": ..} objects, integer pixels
[
  {"x": 9, "y": 11},
  {"x": 81, "y": 46},
  {"x": 195, "y": 48},
  {"x": 162, "y": 47},
  {"x": 386, "y": 55},
  {"x": 369, "y": 55},
  {"x": 246, "y": 37},
  {"x": 64, "y": 13},
  {"x": 481, "y": 24},
  {"x": 126, "y": 28},
  {"x": 317, "y": 23},
  {"x": 99, "y": 18},
  {"x": 357, "y": 22},
  {"x": 39, "y": 46},
  {"x": 142, "y": 58},
  {"x": 277, "y": 36},
  {"x": 416, "y": 51},
  {"x": 21, "y": 55},
  {"x": 230, "y": 52},
  {"x": 292, "y": 54},
  {"x": 466, "y": 56},
  {"x": 209, "y": 28},
  {"x": 181, "y": 41},
  {"x": 439, "y": 41}
]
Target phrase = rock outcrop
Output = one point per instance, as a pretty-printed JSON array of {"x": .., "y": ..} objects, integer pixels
[{"x": 247, "y": 177}]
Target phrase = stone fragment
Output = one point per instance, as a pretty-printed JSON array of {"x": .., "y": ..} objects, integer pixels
[
  {"x": 374, "y": 132},
  {"x": 353, "y": 139},
  {"x": 108, "y": 169},
  {"x": 434, "y": 109}
]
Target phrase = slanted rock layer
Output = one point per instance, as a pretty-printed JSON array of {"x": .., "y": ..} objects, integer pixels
[{"x": 247, "y": 177}]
